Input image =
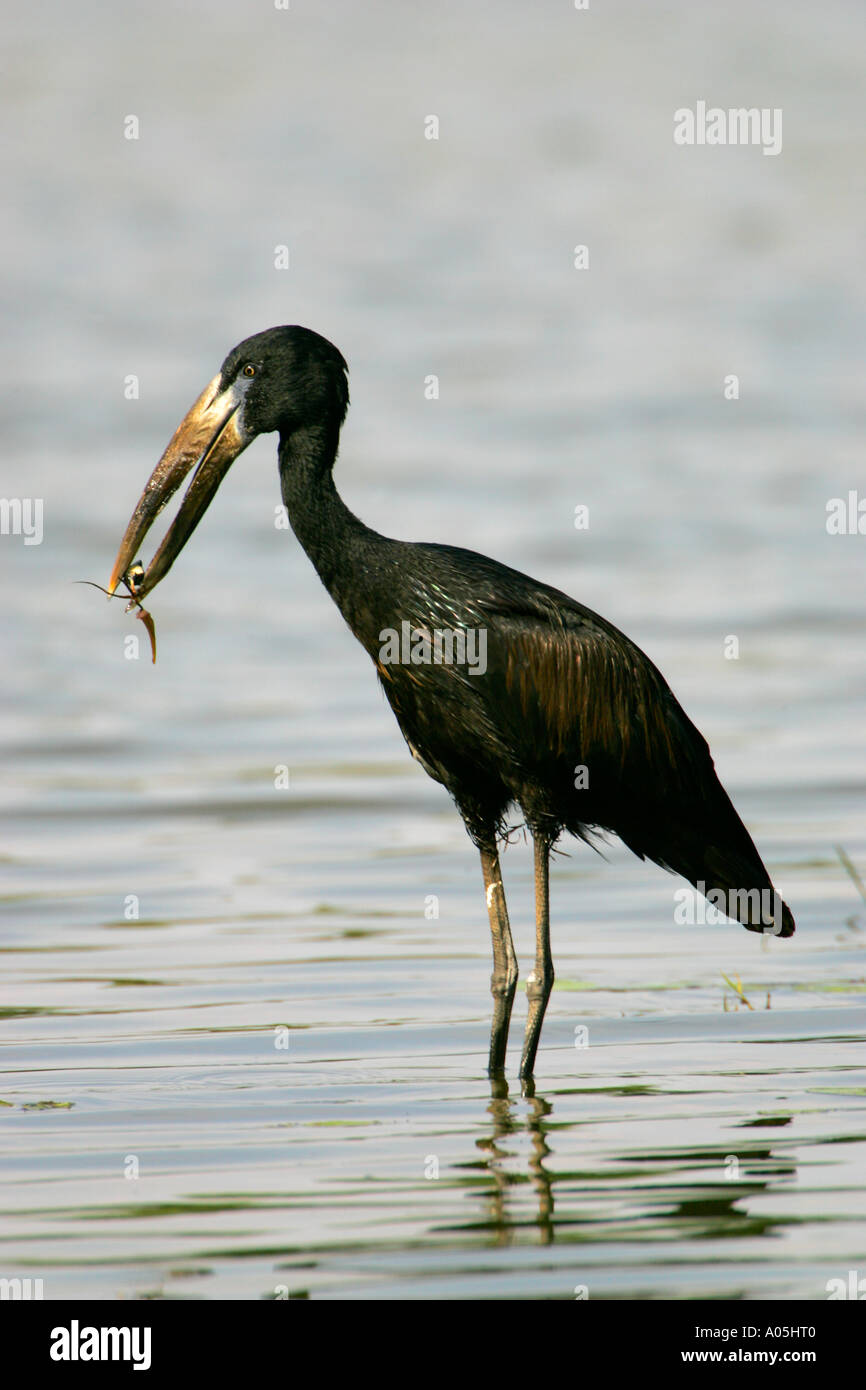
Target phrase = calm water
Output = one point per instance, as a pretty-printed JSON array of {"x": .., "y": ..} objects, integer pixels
[{"x": 271, "y": 1081}]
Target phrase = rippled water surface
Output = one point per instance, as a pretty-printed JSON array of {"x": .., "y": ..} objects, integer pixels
[{"x": 240, "y": 1057}]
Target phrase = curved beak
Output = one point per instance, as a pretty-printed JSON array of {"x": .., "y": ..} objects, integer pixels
[{"x": 209, "y": 438}]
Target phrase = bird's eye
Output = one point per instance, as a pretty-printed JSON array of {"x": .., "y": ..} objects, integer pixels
[{"x": 249, "y": 369}]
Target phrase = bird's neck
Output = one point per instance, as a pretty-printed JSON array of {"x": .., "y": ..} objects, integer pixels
[{"x": 333, "y": 537}]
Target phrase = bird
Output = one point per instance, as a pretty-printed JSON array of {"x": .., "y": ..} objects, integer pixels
[{"x": 515, "y": 697}]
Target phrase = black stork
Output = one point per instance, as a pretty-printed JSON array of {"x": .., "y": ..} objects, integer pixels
[{"x": 507, "y": 691}]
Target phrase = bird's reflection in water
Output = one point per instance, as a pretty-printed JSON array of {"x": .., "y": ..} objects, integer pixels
[
  {"x": 687, "y": 1192},
  {"x": 510, "y": 1119}
]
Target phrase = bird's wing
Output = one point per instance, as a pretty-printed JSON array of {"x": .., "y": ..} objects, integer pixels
[
  {"x": 582, "y": 685},
  {"x": 563, "y": 689},
  {"x": 558, "y": 679}
]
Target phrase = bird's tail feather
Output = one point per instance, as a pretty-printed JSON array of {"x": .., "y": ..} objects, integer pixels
[
  {"x": 741, "y": 888},
  {"x": 732, "y": 879}
]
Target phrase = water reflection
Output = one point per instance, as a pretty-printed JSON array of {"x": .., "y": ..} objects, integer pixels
[
  {"x": 686, "y": 1191},
  {"x": 510, "y": 1118}
]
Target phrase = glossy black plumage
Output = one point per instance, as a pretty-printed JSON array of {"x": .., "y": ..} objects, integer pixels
[{"x": 569, "y": 721}]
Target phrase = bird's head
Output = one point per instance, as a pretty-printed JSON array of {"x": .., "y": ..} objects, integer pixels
[{"x": 287, "y": 379}]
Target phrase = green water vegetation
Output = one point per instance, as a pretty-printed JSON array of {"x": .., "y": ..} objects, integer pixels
[
  {"x": 851, "y": 871},
  {"x": 739, "y": 995},
  {"x": 854, "y": 921},
  {"x": 48, "y": 1105}
]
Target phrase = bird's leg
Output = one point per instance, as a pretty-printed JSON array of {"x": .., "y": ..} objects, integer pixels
[
  {"x": 503, "y": 981},
  {"x": 540, "y": 982}
]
